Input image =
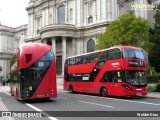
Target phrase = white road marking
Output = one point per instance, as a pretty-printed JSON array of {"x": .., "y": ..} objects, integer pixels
[
  {"x": 52, "y": 118},
  {"x": 37, "y": 109},
  {"x": 124, "y": 100},
  {"x": 96, "y": 104},
  {"x": 33, "y": 107},
  {"x": 147, "y": 103},
  {"x": 60, "y": 90},
  {"x": 7, "y": 93},
  {"x": 62, "y": 98},
  {"x": 4, "y": 108}
]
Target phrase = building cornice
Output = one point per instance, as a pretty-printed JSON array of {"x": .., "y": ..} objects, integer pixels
[
  {"x": 58, "y": 30},
  {"x": 6, "y": 28},
  {"x": 93, "y": 26},
  {"x": 6, "y": 55},
  {"x": 68, "y": 30},
  {"x": 21, "y": 28},
  {"x": 32, "y": 39}
]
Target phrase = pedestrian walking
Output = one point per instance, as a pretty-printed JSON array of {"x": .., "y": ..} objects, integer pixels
[{"x": 3, "y": 81}]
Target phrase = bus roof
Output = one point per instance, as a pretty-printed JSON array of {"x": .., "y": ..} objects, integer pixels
[
  {"x": 116, "y": 46},
  {"x": 35, "y": 50},
  {"x": 32, "y": 45}
]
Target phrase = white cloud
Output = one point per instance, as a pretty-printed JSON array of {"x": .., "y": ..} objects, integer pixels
[{"x": 13, "y": 13}]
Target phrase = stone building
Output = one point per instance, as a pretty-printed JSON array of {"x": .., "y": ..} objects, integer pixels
[
  {"x": 71, "y": 26},
  {"x": 10, "y": 38}
]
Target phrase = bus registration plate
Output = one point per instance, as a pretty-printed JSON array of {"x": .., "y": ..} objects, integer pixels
[
  {"x": 139, "y": 94},
  {"x": 40, "y": 95}
]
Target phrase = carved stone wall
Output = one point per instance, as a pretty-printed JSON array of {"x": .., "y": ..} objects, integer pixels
[{"x": 10, "y": 38}]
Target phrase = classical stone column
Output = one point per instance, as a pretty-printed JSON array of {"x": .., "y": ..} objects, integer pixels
[
  {"x": 115, "y": 7},
  {"x": 32, "y": 25},
  {"x": 54, "y": 45},
  {"x": 109, "y": 10},
  {"x": 73, "y": 46},
  {"x": 112, "y": 9},
  {"x": 78, "y": 48},
  {"x": 63, "y": 53}
]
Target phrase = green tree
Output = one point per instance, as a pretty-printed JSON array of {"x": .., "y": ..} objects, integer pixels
[
  {"x": 154, "y": 54},
  {"x": 127, "y": 30},
  {"x": 13, "y": 60}
]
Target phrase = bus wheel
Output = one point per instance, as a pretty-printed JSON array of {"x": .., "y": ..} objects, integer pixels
[
  {"x": 103, "y": 92},
  {"x": 71, "y": 90}
]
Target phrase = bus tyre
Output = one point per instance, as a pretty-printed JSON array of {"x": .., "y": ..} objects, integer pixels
[
  {"x": 103, "y": 92},
  {"x": 71, "y": 90}
]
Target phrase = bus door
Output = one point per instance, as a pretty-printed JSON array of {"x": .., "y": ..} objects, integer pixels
[
  {"x": 66, "y": 76},
  {"x": 116, "y": 80},
  {"x": 74, "y": 80},
  {"x": 22, "y": 84},
  {"x": 34, "y": 77},
  {"x": 17, "y": 85},
  {"x": 86, "y": 84},
  {"x": 111, "y": 80}
]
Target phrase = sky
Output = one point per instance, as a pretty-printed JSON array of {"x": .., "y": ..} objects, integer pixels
[{"x": 13, "y": 12}]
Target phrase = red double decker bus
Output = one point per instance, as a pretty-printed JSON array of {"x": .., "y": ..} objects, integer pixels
[
  {"x": 33, "y": 75},
  {"x": 116, "y": 71}
]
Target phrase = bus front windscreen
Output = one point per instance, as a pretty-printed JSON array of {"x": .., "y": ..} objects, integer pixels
[
  {"x": 131, "y": 53},
  {"x": 137, "y": 78}
]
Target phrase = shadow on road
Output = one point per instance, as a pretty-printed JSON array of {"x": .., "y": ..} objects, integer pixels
[
  {"x": 42, "y": 100},
  {"x": 117, "y": 97}
]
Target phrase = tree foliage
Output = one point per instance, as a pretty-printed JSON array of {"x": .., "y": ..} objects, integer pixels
[
  {"x": 127, "y": 30},
  {"x": 154, "y": 54},
  {"x": 14, "y": 59}
]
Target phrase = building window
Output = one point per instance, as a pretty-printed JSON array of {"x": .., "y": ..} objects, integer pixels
[
  {"x": 90, "y": 8},
  {"x": 90, "y": 19},
  {"x": 38, "y": 26},
  {"x": 50, "y": 19},
  {"x": 90, "y": 45},
  {"x": 61, "y": 15},
  {"x": 71, "y": 14},
  {"x": 38, "y": 23},
  {"x": 37, "y": 31}
]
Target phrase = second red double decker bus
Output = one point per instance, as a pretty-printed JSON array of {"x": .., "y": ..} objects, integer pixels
[
  {"x": 116, "y": 71},
  {"x": 33, "y": 74}
]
